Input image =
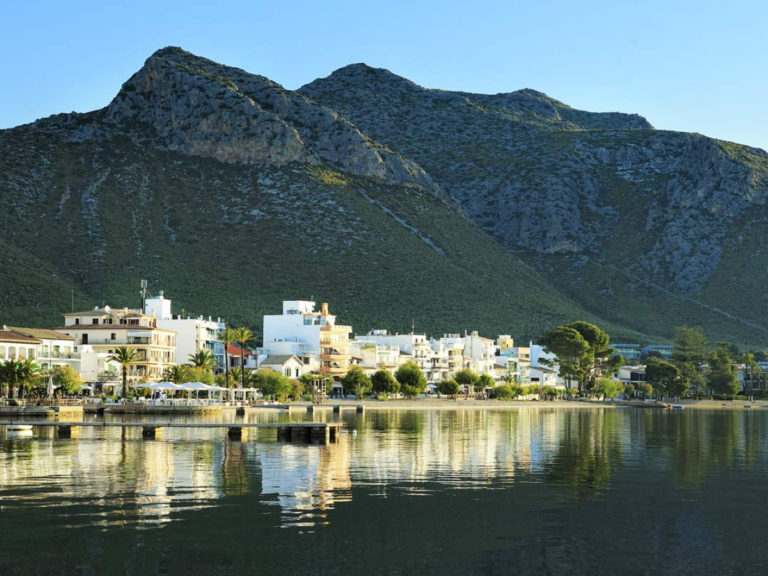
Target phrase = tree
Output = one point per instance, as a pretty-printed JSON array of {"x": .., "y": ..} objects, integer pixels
[
  {"x": 448, "y": 387},
  {"x": 174, "y": 374},
  {"x": 485, "y": 381},
  {"x": 125, "y": 356},
  {"x": 226, "y": 337},
  {"x": 383, "y": 383},
  {"x": 297, "y": 390},
  {"x": 645, "y": 389},
  {"x": 753, "y": 373},
  {"x": 19, "y": 373},
  {"x": 507, "y": 391},
  {"x": 689, "y": 354},
  {"x": 242, "y": 336},
  {"x": 571, "y": 350},
  {"x": 466, "y": 378},
  {"x": 67, "y": 379},
  {"x": 606, "y": 387},
  {"x": 357, "y": 381},
  {"x": 629, "y": 389},
  {"x": 411, "y": 378},
  {"x": 721, "y": 376},
  {"x": 202, "y": 359},
  {"x": 310, "y": 378},
  {"x": 196, "y": 374},
  {"x": 272, "y": 384},
  {"x": 600, "y": 356},
  {"x": 665, "y": 377}
]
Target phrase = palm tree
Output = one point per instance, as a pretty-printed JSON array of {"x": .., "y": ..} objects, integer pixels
[
  {"x": 226, "y": 337},
  {"x": 242, "y": 335},
  {"x": 202, "y": 359},
  {"x": 174, "y": 374},
  {"x": 19, "y": 373},
  {"x": 124, "y": 355}
]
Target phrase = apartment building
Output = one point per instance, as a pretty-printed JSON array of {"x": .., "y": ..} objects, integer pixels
[
  {"x": 103, "y": 329},
  {"x": 303, "y": 331}
]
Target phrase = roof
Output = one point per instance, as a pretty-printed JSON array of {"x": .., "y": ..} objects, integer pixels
[
  {"x": 42, "y": 333},
  {"x": 15, "y": 337},
  {"x": 115, "y": 327},
  {"x": 279, "y": 359},
  {"x": 234, "y": 350}
]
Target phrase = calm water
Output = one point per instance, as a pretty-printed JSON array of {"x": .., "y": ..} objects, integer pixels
[{"x": 530, "y": 491}]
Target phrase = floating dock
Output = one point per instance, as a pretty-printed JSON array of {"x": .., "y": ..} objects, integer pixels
[{"x": 304, "y": 432}]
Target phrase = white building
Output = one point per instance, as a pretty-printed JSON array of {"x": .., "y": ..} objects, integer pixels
[
  {"x": 192, "y": 334},
  {"x": 302, "y": 331},
  {"x": 481, "y": 352},
  {"x": 410, "y": 347},
  {"x": 55, "y": 349},
  {"x": 372, "y": 356}
]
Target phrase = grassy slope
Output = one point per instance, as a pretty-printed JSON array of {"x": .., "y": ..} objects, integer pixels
[{"x": 235, "y": 241}]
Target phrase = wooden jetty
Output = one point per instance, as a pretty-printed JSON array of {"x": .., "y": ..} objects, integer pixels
[{"x": 306, "y": 432}]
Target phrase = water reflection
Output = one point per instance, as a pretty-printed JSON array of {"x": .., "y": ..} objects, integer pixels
[{"x": 101, "y": 479}]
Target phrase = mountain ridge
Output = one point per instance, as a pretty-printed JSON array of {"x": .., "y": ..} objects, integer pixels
[{"x": 364, "y": 177}]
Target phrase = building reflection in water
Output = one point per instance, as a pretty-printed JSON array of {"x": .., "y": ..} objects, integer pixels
[{"x": 99, "y": 479}]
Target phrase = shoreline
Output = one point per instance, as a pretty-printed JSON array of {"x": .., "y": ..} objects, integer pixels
[{"x": 472, "y": 404}]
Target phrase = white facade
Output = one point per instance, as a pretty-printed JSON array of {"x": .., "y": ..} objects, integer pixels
[
  {"x": 293, "y": 328},
  {"x": 192, "y": 334},
  {"x": 411, "y": 347},
  {"x": 308, "y": 333},
  {"x": 482, "y": 352}
]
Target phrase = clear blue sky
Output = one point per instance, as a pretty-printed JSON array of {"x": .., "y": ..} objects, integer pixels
[{"x": 697, "y": 66}]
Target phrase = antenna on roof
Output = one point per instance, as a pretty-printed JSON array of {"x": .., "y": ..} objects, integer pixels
[
  {"x": 143, "y": 293},
  {"x": 413, "y": 326}
]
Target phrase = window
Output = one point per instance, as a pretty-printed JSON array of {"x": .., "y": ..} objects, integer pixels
[
  {"x": 95, "y": 321},
  {"x": 85, "y": 339},
  {"x": 113, "y": 336},
  {"x": 77, "y": 320}
]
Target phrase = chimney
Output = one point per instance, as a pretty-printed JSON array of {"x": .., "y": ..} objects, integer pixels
[{"x": 324, "y": 309}]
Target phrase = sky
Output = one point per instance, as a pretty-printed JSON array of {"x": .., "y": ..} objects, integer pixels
[{"x": 694, "y": 66}]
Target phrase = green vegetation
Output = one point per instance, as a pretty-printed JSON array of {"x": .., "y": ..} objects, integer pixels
[
  {"x": 448, "y": 387},
  {"x": 273, "y": 384},
  {"x": 18, "y": 373},
  {"x": 384, "y": 384},
  {"x": 356, "y": 381},
  {"x": 125, "y": 356},
  {"x": 411, "y": 379},
  {"x": 66, "y": 379}
]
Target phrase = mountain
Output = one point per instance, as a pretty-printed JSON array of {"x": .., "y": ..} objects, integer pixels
[
  {"x": 232, "y": 194},
  {"x": 647, "y": 228}
]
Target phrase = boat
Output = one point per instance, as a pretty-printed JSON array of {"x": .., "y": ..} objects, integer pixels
[{"x": 19, "y": 428}]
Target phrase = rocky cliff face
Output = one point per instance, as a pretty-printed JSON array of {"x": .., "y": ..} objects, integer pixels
[
  {"x": 544, "y": 177},
  {"x": 185, "y": 103}
]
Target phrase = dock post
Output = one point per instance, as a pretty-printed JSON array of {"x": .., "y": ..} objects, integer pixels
[
  {"x": 319, "y": 434},
  {"x": 300, "y": 434},
  {"x": 240, "y": 411},
  {"x": 68, "y": 431},
  {"x": 149, "y": 432},
  {"x": 360, "y": 409},
  {"x": 333, "y": 433},
  {"x": 237, "y": 433},
  {"x": 337, "y": 409},
  {"x": 284, "y": 433}
]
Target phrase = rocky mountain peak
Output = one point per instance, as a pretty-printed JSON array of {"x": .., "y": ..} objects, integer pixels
[{"x": 182, "y": 102}]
